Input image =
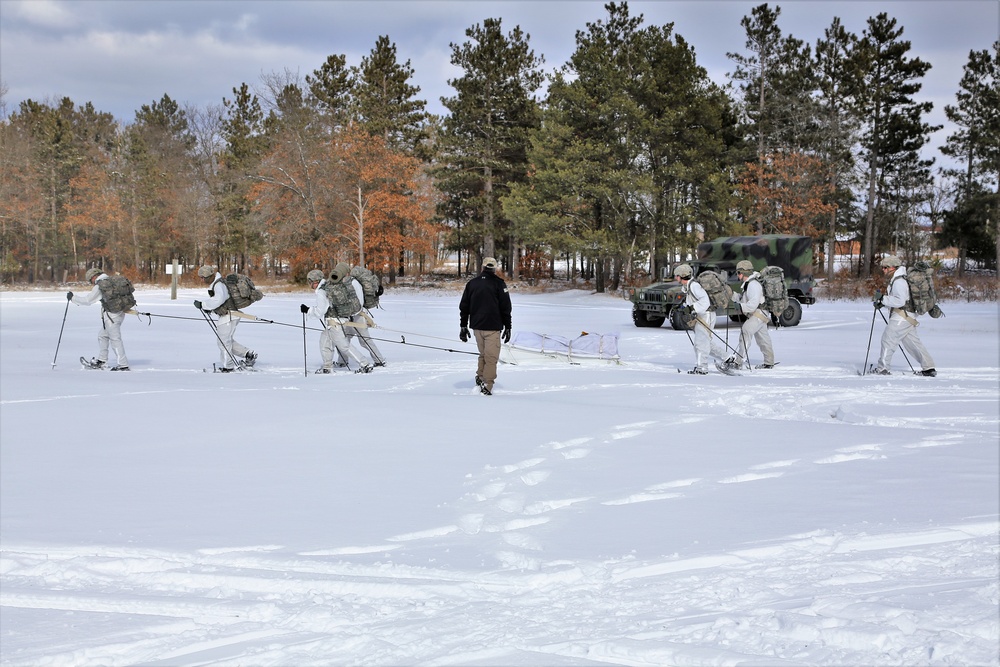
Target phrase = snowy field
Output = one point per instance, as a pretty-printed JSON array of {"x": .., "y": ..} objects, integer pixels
[{"x": 591, "y": 514}]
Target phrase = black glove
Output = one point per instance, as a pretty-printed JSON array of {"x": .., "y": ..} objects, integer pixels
[
  {"x": 380, "y": 291},
  {"x": 775, "y": 320},
  {"x": 877, "y": 302},
  {"x": 505, "y": 334},
  {"x": 463, "y": 335},
  {"x": 197, "y": 304},
  {"x": 303, "y": 309},
  {"x": 69, "y": 296}
]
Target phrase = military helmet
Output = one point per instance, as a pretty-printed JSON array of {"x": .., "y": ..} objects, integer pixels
[
  {"x": 683, "y": 271},
  {"x": 91, "y": 273},
  {"x": 314, "y": 276},
  {"x": 744, "y": 266},
  {"x": 890, "y": 260},
  {"x": 206, "y": 271}
]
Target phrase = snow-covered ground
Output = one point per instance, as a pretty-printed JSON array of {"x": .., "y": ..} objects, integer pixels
[{"x": 585, "y": 514}]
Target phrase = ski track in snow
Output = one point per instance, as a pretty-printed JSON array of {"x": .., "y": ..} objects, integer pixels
[{"x": 824, "y": 597}]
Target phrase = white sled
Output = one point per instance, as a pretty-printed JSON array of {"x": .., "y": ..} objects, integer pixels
[{"x": 526, "y": 346}]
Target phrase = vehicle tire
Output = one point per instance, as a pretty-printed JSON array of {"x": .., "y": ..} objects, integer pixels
[
  {"x": 677, "y": 322},
  {"x": 791, "y": 315},
  {"x": 643, "y": 319}
]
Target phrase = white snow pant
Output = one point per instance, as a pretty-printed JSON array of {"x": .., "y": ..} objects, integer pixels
[
  {"x": 756, "y": 328},
  {"x": 899, "y": 331},
  {"x": 226, "y": 327},
  {"x": 334, "y": 338},
  {"x": 111, "y": 336},
  {"x": 705, "y": 343},
  {"x": 364, "y": 339}
]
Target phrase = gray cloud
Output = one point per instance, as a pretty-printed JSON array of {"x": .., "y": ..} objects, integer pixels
[{"x": 121, "y": 55}]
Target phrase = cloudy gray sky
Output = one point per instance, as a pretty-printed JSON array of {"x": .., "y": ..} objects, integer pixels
[{"x": 121, "y": 54}]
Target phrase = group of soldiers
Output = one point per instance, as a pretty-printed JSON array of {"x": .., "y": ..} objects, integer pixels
[
  {"x": 338, "y": 306},
  {"x": 900, "y": 330}
]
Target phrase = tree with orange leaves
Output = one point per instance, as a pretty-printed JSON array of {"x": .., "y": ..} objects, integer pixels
[
  {"x": 787, "y": 193},
  {"x": 388, "y": 210}
]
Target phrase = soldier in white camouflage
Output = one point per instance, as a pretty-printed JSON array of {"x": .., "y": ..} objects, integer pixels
[
  {"x": 751, "y": 303},
  {"x": 335, "y": 302},
  {"x": 110, "y": 334}
]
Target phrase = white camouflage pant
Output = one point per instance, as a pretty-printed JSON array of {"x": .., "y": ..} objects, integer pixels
[
  {"x": 755, "y": 328},
  {"x": 899, "y": 331},
  {"x": 226, "y": 327},
  {"x": 705, "y": 343},
  {"x": 111, "y": 336}
]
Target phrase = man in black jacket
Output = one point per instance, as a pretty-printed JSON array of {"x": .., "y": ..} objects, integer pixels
[{"x": 485, "y": 306}]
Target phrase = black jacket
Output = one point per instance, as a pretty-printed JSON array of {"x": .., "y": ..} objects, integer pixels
[{"x": 485, "y": 303}]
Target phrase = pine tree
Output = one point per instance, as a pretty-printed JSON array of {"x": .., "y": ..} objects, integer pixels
[
  {"x": 893, "y": 129},
  {"x": 485, "y": 138},
  {"x": 974, "y": 224}
]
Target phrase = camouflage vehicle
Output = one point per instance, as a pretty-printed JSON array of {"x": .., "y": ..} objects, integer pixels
[{"x": 653, "y": 305}]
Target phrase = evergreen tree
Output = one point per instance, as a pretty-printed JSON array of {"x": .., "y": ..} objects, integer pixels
[
  {"x": 485, "y": 140},
  {"x": 384, "y": 99},
  {"x": 837, "y": 126},
  {"x": 893, "y": 130},
  {"x": 974, "y": 225}
]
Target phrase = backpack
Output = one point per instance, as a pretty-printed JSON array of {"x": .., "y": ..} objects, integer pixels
[
  {"x": 342, "y": 297},
  {"x": 116, "y": 294},
  {"x": 719, "y": 292},
  {"x": 772, "y": 280},
  {"x": 371, "y": 286},
  {"x": 923, "y": 298},
  {"x": 242, "y": 292}
]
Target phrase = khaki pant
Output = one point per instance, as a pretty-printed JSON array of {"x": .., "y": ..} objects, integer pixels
[{"x": 488, "y": 343}]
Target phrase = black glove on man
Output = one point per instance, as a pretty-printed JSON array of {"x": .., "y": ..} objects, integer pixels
[
  {"x": 463, "y": 335},
  {"x": 69, "y": 296},
  {"x": 505, "y": 334},
  {"x": 303, "y": 309},
  {"x": 197, "y": 304}
]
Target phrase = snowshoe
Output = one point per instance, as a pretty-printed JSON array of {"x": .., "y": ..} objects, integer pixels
[
  {"x": 250, "y": 359},
  {"x": 93, "y": 364},
  {"x": 484, "y": 390},
  {"x": 697, "y": 371},
  {"x": 121, "y": 368},
  {"x": 928, "y": 373},
  {"x": 364, "y": 369},
  {"x": 323, "y": 371},
  {"x": 764, "y": 367},
  {"x": 727, "y": 368}
]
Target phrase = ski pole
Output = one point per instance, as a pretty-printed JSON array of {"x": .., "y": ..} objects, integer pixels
[
  {"x": 59, "y": 342},
  {"x": 215, "y": 330},
  {"x": 900, "y": 345},
  {"x": 864, "y": 369},
  {"x": 305, "y": 360},
  {"x": 702, "y": 323}
]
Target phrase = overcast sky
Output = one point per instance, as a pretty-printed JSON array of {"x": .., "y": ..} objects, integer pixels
[{"x": 122, "y": 54}]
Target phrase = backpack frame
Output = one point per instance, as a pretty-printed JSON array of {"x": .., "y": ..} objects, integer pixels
[{"x": 116, "y": 294}]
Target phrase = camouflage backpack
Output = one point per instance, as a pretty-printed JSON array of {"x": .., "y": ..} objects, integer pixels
[
  {"x": 719, "y": 292},
  {"x": 116, "y": 294},
  {"x": 772, "y": 280},
  {"x": 923, "y": 298},
  {"x": 371, "y": 286},
  {"x": 242, "y": 293}
]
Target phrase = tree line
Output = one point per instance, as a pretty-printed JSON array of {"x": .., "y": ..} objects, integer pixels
[{"x": 630, "y": 158}]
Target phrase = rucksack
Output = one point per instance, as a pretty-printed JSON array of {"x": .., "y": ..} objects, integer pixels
[
  {"x": 342, "y": 297},
  {"x": 242, "y": 292},
  {"x": 116, "y": 294},
  {"x": 772, "y": 280},
  {"x": 371, "y": 286},
  {"x": 719, "y": 292},
  {"x": 923, "y": 298}
]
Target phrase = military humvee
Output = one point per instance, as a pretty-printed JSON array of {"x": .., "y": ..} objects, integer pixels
[{"x": 652, "y": 305}]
